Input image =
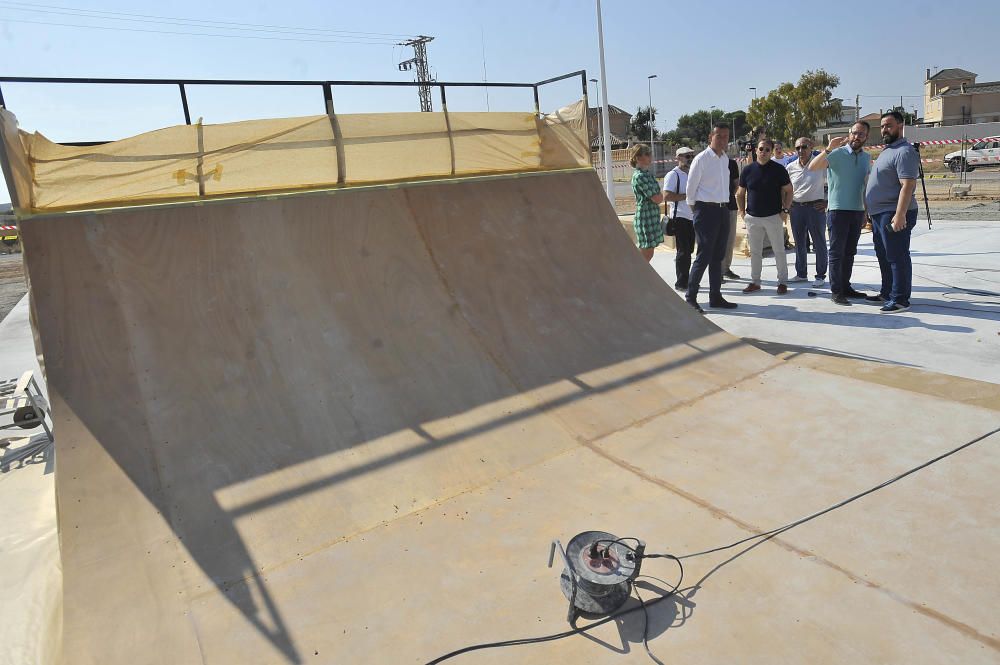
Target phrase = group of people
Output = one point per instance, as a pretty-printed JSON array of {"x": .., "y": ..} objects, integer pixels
[{"x": 706, "y": 192}]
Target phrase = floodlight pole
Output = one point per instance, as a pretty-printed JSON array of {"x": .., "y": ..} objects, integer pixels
[{"x": 605, "y": 115}]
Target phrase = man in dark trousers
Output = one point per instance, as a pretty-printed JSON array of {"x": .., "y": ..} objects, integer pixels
[
  {"x": 708, "y": 196},
  {"x": 847, "y": 167},
  {"x": 675, "y": 193},
  {"x": 893, "y": 210}
]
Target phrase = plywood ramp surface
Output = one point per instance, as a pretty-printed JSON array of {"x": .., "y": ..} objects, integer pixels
[{"x": 342, "y": 427}]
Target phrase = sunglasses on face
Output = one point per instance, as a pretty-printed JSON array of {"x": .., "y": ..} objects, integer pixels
[
  {"x": 801, "y": 147},
  {"x": 763, "y": 150}
]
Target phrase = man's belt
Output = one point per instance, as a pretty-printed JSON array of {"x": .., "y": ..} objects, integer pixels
[
  {"x": 807, "y": 203},
  {"x": 714, "y": 204}
]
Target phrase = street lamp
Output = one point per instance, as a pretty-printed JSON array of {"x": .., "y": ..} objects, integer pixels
[
  {"x": 649, "y": 91},
  {"x": 754, "y": 93},
  {"x": 600, "y": 135},
  {"x": 711, "y": 119}
]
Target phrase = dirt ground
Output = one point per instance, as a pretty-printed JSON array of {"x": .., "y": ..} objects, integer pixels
[
  {"x": 980, "y": 211},
  {"x": 12, "y": 286}
]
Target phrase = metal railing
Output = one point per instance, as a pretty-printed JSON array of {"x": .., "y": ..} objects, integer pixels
[{"x": 327, "y": 88}]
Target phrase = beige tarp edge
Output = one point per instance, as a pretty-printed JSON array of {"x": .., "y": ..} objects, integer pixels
[
  {"x": 193, "y": 161},
  {"x": 16, "y": 169}
]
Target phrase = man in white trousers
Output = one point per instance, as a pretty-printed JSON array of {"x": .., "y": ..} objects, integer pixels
[{"x": 763, "y": 198}]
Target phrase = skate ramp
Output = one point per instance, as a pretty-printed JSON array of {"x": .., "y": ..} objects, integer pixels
[{"x": 342, "y": 426}]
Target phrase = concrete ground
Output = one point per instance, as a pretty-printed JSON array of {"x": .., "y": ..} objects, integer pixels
[
  {"x": 953, "y": 326},
  {"x": 30, "y": 573}
]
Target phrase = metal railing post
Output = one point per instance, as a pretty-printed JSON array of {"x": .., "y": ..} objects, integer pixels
[
  {"x": 184, "y": 103},
  {"x": 447, "y": 122}
]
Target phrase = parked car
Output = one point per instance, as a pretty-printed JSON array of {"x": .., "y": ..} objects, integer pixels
[{"x": 982, "y": 153}]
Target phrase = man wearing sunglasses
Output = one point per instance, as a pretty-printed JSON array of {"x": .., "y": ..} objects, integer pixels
[
  {"x": 763, "y": 197},
  {"x": 847, "y": 166},
  {"x": 808, "y": 206}
]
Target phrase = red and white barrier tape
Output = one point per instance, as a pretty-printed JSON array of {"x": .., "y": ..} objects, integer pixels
[
  {"x": 941, "y": 142},
  {"x": 8, "y": 228}
]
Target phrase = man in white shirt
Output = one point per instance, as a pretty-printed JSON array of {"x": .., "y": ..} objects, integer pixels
[
  {"x": 808, "y": 213},
  {"x": 708, "y": 196},
  {"x": 679, "y": 213}
]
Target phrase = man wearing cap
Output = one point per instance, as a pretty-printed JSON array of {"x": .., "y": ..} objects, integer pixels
[
  {"x": 708, "y": 196},
  {"x": 808, "y": 206},
  {"x": 847, "y": 167},
  {"x": 675, "y": 194}
]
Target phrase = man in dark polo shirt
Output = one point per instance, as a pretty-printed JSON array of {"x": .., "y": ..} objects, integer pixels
[{"x": 763, "y": 198}]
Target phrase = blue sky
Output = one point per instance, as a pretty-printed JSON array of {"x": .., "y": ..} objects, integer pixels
[{"x": 704, "y": 53}]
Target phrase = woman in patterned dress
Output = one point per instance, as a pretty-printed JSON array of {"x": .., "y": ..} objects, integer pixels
[{"x": 648, "y": 229}]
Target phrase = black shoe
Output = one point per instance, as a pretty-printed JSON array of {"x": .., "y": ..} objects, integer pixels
[
  {"x": 878, "y": 297},
  {"x": 681, "y": 287},
  {"x": 893, "y": 308},
  {"x": 838, "y": 299},
  {"x": 695, "y": 305},
  {"x": 854, "y": 293},
  {"x": 721, "y": 303},
  {"x": 729, "y": 274}
]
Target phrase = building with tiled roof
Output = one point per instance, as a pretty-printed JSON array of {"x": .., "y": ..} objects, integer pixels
[
  {"x": 619, "y": 122},
  {"x": 952, "y": 97}
]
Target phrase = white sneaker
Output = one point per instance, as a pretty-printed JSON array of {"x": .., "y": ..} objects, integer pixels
[
  {"x": 799, "y": 279},
  {"x": 818, "y": 283}
]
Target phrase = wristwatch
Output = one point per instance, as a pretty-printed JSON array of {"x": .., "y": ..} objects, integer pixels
[{"x": 784, "y": 210}]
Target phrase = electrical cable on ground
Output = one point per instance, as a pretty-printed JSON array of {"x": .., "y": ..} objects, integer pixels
[
  {"x": 567, "y": 633},
  {"x": 766, "y": 535}
]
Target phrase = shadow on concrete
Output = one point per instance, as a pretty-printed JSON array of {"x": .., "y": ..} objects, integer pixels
[
  {"x": 789, "y": 351},
  {"x": 34, "y": 450},
  {"x": 664, "y": 611},
  {"x": 854, "y": 317}
]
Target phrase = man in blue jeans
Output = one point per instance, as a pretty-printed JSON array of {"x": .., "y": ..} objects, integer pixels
[
  {"x": 893, "y": 210},
  {"x": 847, "y": 167},
  {"x": 808, "y": 207}
]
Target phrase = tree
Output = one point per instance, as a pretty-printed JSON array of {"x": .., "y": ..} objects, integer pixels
[
  {"x": 693, "y": 128},
  {"x": 737, "y": 121},
  {"x": 794, "y": 110},
  {"x": 908, "y": 117},
  {"x": 638, "y": 127}
]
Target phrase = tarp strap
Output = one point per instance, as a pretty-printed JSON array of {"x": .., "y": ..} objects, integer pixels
[{"x": 338, "y": 136}]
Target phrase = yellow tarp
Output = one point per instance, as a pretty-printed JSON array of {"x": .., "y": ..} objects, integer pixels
[{"x": 192, "y": 161}]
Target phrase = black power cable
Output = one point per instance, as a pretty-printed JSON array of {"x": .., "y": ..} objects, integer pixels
[
  {"x": 645, "y": 605},
  {"x": 574, "y": 631}
]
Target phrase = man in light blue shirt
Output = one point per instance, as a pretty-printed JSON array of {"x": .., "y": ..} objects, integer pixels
[
  {"x": 847, "y": 167},
  {"x": 893, "y": 209}
]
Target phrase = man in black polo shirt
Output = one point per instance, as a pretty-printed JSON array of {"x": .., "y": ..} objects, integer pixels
[{"x": 763, "y": 199}]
